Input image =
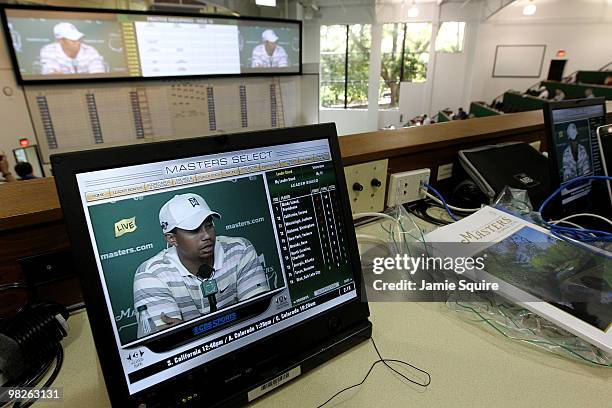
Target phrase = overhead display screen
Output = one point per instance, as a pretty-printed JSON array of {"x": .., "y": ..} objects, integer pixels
[{"x": 52, "y": 45}]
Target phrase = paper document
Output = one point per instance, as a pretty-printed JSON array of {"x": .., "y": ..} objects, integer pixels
[{"x": 568, "y": 283}]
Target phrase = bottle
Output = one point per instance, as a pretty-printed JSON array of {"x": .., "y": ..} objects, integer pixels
[{"x": 146, "y": 325}]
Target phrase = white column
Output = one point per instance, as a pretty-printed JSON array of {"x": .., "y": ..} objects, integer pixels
[
  {"x": 469, "y": 48},
  {"x": 431, "y": 68}
]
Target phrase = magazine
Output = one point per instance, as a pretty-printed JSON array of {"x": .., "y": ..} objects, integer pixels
[{"x": 565, "y": 282}]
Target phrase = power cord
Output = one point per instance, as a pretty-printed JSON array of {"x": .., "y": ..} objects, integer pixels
[
  {"x": 569, "y": 217},
  {"x": 30, "y": 343},
  {"x": 386, "y": 362},
  {"x": 357, "y": 216},
  {"x": 59, "y": 360},
  {"x": 419, "y": 209}
]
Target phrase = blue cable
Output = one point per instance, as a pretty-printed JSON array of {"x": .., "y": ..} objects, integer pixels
[
  {"x": 436, "y": 192},
  {"x": 580, "y": 234}
]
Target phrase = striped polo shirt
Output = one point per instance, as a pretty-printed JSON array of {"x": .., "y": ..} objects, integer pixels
[
  {"x": 164, "y": 285},
  {"x": 53, "y": 60}
]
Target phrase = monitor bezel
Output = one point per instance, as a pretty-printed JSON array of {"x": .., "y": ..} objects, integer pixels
[
  {"x": 25, "y": 81},
  {"x": 558, "y": 209},
  {"x": 606, "y": 162},
  {"x": 302, "y": 336}
]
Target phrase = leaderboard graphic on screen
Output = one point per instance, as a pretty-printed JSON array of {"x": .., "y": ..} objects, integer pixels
[{"x": 56, "y": 45}]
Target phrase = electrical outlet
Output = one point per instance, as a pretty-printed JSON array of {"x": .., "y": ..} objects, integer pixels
[
  {"x": 366, "y": 185},
  {"x": 406, "y": 187}
]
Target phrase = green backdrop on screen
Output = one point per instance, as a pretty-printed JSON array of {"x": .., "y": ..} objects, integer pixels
[
  {"x": 30, "y": 35},
  {"x": 244, "y": 210}
]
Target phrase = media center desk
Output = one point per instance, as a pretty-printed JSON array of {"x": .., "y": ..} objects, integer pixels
[{"x": 469, "y": 368}]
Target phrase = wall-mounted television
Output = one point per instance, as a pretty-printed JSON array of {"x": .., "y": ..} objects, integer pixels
[{"x": 59, "y": 44}]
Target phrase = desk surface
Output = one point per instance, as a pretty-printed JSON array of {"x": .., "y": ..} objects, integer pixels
[{"x": 469, "y": 366}]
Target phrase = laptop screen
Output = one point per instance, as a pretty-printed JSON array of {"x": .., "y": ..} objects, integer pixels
[
  {"x": 201, "y": 256},
  {"x": 575, "y": 148}
]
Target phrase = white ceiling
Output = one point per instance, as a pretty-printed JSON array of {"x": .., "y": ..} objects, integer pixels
[{"x": 578, "y": 11}]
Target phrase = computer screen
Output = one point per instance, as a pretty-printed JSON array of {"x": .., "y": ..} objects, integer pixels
[
  {"x": 605, "y": 145},
  {"x": 52, "y": 45},
  {"x": 200, "y": 256},
  {"x": 574, "y": 148}
]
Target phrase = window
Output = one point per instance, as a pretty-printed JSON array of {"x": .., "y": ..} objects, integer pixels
[
  {"x": 333, "y": 74},
  {"x": 345, "y": 61},
  {"x": 359, "y": 43},
  {"x": 450, "y": 37},
  {"x": 405, "y": 55}
]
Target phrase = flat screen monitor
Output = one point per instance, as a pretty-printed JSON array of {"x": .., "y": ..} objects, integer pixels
[
  {"x": 604, "y": 135},
  {"x": 50, "y": 44},
  {"x": 212, "y": 266},
  {"x": 556, "y": 69},
  {"x": 574, "y": 151}
]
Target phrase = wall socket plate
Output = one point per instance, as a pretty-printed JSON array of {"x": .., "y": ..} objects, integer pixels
[
  {"x": 405, "y": 187},
  {"x": 366, "y": 184},
  {"x": 445, "y": 171}
]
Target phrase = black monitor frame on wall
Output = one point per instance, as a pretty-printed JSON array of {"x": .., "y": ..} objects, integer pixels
[{"x": 69, "y": 45}]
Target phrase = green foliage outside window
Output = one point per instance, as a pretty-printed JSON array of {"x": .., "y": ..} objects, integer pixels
[
  {"x": 336, "y": 79},
  {"x": 405, "y": 56},
  {"x": 413, "y": 50}
]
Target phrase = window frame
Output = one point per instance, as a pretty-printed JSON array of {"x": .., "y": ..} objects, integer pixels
[
  {"x": 403, "y": 55},
  {"x": 346, "y": 63},
  {"x": 461, "y": 46}
]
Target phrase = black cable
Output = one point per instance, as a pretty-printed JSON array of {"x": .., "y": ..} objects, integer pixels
[
  {"x": 432, "y": 219},
  {"x": 35, "y": 379},
  {"x": 59, "y": 360},
  {"x": 76, "y": 307},
  {"x": 37, "y": 332},
  {"x": 419, "y": 210},
  {"x": 386, "y": 362}
]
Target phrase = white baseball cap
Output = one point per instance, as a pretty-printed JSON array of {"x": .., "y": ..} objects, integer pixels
[
  {"x": 184, "y": 211},
  {"x": 67, "y": 30},
  {"x": 572, "y": 132},
  {"x": 269, "y": 35}
]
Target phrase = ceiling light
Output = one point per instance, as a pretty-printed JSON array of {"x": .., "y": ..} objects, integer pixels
[
  {"x": 269, "y": 3},
  {"x": 529, "y": 9},
  {"x": 413, "y": 11}
]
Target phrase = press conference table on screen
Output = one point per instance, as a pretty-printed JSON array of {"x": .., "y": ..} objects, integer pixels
[{"x": 468, "y": 365}]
